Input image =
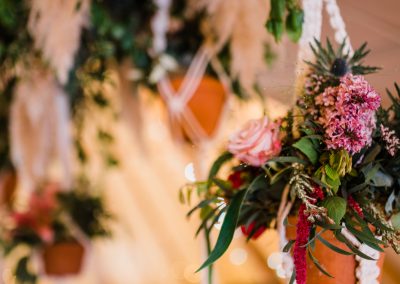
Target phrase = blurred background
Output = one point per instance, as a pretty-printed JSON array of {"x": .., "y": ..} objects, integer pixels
[{"x": 88, "y": 101}]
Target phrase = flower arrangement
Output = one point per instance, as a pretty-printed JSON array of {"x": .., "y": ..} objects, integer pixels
[
  {"x": 332, "y": 162},
  {"x": 52, "y": 217}
]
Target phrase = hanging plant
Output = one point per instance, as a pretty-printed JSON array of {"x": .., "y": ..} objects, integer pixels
[
  {"x": 57, "y": 224},
  {"x": 333, "y": 166}
]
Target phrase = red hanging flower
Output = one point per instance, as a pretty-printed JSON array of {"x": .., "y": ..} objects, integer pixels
[
  {"x": 302, "y": 235},
  {"x": 247, "y": 230},
  {"x": 355, "y": 206},
  {"x": 236, "y": 179},
  {"x": 299, "y": 253}
]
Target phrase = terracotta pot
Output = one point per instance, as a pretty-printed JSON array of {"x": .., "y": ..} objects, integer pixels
[
  {"x": 206, "y": 104},
  {"x": 341, "y": 267},
  {"x": 64, "y": 258},
  {"x": 8, "y": 184}
]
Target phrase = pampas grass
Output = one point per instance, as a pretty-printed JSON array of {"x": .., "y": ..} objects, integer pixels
[{"x": 55, "y": 26}]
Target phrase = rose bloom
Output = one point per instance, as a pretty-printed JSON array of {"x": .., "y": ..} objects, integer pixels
[{"x": 257, "y": 142}]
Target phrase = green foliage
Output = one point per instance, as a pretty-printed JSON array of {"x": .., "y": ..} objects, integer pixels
[
  {"x": 225, "y": 157},
  {"x": 22, "y": 272},
  {"x": 336, "y": 207},
  {"x": 87, "y": 212},
  {"x": 306, "y": 146},
  {"x": 293, "y": 23},
  {"x": 227, "y": 230}
]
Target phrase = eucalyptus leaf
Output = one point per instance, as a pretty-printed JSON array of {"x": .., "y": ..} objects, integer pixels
[
  {"x": 288, "y": 246},
  {"x": 318, "y": 265},
  {"x": 333, "y": 247},
  {"x": 227, "y": 230}
]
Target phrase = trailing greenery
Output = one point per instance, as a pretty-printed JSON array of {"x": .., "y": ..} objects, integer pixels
[{"x": 285, "y": 15}]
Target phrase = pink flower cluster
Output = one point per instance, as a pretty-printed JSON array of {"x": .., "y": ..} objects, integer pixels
[
  {"x": 347, "y": 112},
  {"x": 391, "y": 140}
]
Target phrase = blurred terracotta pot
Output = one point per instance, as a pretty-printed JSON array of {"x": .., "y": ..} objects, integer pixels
[
  {"x": 64, "y": 258},
  {"x": 341, "y": 267},
  {"x": 206, "y": 104},
  {"x": 8, "y": 184}
]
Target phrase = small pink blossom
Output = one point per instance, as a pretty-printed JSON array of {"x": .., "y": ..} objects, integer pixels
[
  {"x": 257, "y": 142},
  {"x": 392, "y": 142},
  {"x": 347, "y": 112}
]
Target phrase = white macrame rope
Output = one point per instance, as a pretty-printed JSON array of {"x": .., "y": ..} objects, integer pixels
[
  {"x": 159, "y": 25},
  {"x": 177, "y": 101},
  {"x": 311, "y": 30},
  {"x": 337, "y": 23}
]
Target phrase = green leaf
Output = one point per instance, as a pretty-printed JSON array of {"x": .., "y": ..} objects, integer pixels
[
  {"x": 333, "y": 247},
  {"x": 371, "y": 156},
  {"x": 341, "y": 238},
  {"x": 318, "y": 265},
  {"x": 294, "y": 24},
  {"x": 223, "y": 184},
  {"x": 336, "y": 207},
  {"x": 306, "y": 146},
  {"x": 276, "y": 177},
  {"x": 288, "y": 246},
  {"x": 363, "y": 236},
  {"x": 275, "y": 28},
  {"x": 201, "y": 204},
  {"x": 293, "y": 277},
  {"x": 217, "y": 165},
  {"x": 331, "y": 173},
  {"x": 396, "y": 221},
  {"x": 290, "y": 160},
  {"x": 22, "y": 272},
  {"x": 227, "y": 230},
  {"x": 230, "y": 222}
]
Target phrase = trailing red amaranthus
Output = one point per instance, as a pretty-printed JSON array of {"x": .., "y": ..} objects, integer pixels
[
  {"x": 299, "y": 253},
  {"x": 302, "y": 235}
]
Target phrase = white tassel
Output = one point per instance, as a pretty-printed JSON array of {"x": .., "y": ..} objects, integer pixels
[
  {"x": 55, "y": 26},
  {"x": 40, "y": 130}
]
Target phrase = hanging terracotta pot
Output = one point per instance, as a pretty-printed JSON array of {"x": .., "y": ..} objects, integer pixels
[
  {"x": 341, "y": 267},
  {"x": 8, "y": 184},
  {"x": 206, "y": 104},
  {"x": 62, "y": 259}
]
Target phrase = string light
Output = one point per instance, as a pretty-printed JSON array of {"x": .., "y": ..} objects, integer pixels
[
  {"x": 190, "y": 173},
  {"x": 238, "y": 256}
]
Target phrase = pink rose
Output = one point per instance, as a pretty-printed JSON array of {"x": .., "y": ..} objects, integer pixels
[{"x": 257, "y": 142}]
